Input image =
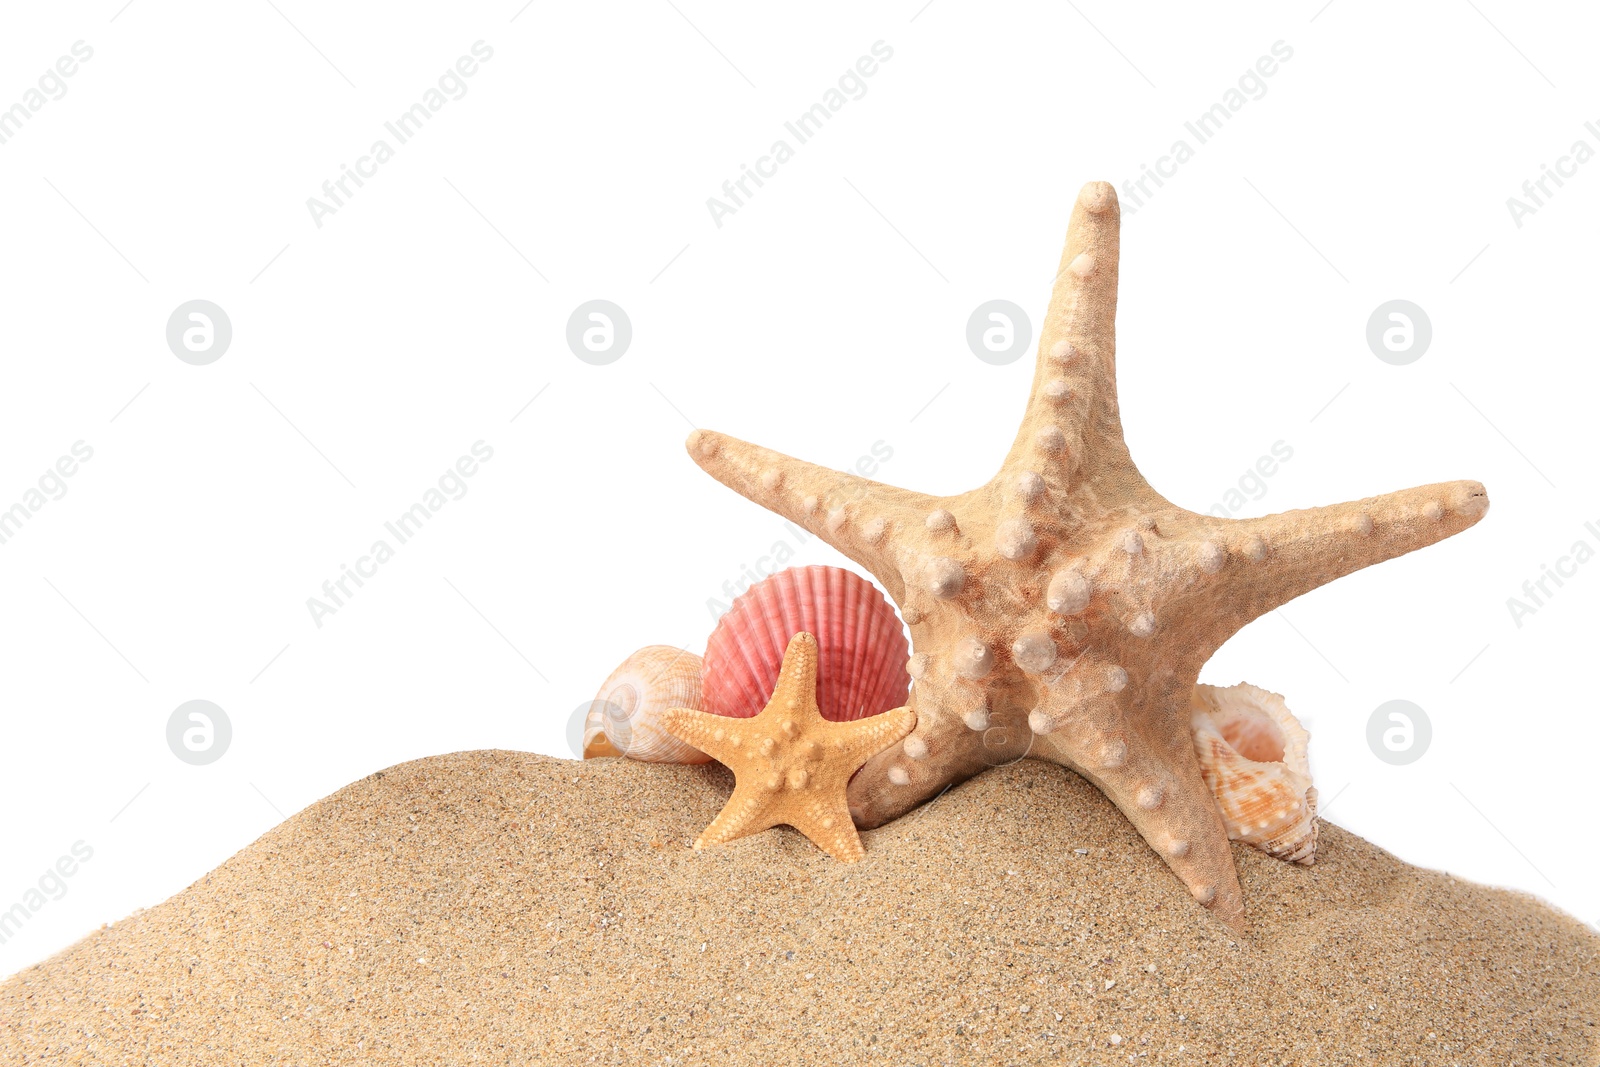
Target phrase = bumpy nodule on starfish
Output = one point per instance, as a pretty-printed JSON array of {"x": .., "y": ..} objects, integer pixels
[
  {"x": 790, "y": 765},
  {"x": 1063, "y": 610}
]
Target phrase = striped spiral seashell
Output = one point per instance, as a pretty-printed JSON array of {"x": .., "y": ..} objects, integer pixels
[
  {"x": 595, "y": 742},
  {"x": 1252, "y": 753},
  {"x": 630, "y": 704}
]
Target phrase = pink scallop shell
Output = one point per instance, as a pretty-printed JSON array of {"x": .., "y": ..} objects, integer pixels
[{"x": 862, "y": 648}]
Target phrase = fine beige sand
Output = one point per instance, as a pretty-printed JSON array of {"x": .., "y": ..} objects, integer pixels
[{"x": 505, "y": 908}]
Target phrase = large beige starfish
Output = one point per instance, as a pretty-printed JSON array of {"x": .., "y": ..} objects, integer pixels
[
  {"x": 790, "y": 765},
  {"x": 1064, "y": 610}
]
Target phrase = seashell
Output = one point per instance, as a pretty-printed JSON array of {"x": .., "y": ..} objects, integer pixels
[
  {"x": 630, "y": 703},
  {"x": 1252, "y": 753},
  {"x": 861, "y": 644},
  {"x": 595, "y": 742}
]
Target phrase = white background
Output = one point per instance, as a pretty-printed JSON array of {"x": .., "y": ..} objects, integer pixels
[{"x": 826, "y": 315}]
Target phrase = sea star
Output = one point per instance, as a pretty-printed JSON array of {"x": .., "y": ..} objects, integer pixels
[
  {"x": 790, "y": 765},
  {"x": 1064, "y": 609}
]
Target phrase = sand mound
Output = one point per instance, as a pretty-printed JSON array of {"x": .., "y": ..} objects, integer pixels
[{"x": 502, "y": 908}]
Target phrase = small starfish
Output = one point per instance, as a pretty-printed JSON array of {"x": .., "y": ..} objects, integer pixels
[
  {"x": 1064, "y": 610},
  {"x": 790, "y": 765}
]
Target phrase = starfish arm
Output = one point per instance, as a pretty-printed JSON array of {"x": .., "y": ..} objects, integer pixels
[
  {"x": 1145, "y": 763},
  {"x": 861, "y": 739},
  {"x": 855, "y": 515},
  {"x": 741, "y": 816},
  {"x": 829, "y": 827},
  {"x": 825, "y": 818},
  {"x": 1072, "y": 430},
  {"x": 1273, "y": 559},
  {"x": 702, "y": 730},
  {"x": 955, "y": 738},
  {"x": 796, "y": 689}
]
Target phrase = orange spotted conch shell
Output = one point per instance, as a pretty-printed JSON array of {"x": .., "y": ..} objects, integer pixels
[{"x": 1252, "y": 753}]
